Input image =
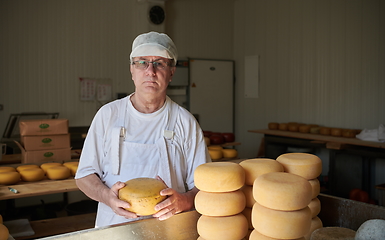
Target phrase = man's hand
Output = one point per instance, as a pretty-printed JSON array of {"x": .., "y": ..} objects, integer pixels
[
  {"x": 117, "y": 205},
  {"x": 174, "y": 203}
]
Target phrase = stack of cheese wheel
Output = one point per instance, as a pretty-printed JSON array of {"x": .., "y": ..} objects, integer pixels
[
  {"x": 220, "y": 201},
  {"x": 253, "y": 169},
  {"x": 217, "y": 152},
  {"x": 308, "y": 166},
  {"x": 281, "y": 206}
]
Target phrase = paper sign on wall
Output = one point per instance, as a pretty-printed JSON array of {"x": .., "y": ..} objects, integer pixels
[
  {"x": 87, "y": 89},
  {"x": 99, "y": 89}
]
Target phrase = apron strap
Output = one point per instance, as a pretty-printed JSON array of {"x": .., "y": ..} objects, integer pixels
[
  {"x": 174, "y": 112},
  {"x": 118, "y": 136}
]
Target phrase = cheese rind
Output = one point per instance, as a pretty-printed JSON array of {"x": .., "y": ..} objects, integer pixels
[
  {"x": 281, "y": 224},
  {"x": 220, "y": 204},
  {"x": 282, "y": 191},
  {"x": 229, "y": 153},
  {"x": 315, "y": 207},
  {"x": 305, "y": 165},
  {"x": 9, "y": 178},
  {"x": 224, "y": 228},
  {"x": 7, "y": 169},
  {"x": 215, "y": 154},
  {"x": 248, "y": 191},
  {"x": 219, "y": 177},
  {"x": 58, "y": 172},
  {"x": 259, "y": 166},
  {"x": 45, "y": 166},
  {"x": 316, "y": 187},
  {"x": 255, "y": 235},
  {"x": 23, "y": 167},
  {"x": 32, "y": 174},
  {"x": 142, "y": 194}
]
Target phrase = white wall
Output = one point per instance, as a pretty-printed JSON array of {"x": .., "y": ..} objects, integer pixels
[{"x": 320, "y": 61}]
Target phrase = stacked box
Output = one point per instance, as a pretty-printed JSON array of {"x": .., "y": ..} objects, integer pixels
[{"x": 44, "y": 140}]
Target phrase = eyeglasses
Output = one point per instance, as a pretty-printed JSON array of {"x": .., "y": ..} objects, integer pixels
[{"x": 142, "y": 64}]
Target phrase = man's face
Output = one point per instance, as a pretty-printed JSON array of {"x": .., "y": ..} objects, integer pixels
[{"x": 149, "y": 77}]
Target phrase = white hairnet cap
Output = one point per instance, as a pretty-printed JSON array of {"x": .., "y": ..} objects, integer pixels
[{"x": 154, "y": 44}]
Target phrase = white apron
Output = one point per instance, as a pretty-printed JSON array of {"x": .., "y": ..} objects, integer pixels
[{"x": 128, "y": 160}]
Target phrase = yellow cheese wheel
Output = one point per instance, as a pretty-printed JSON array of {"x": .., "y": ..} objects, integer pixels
[
  {"x": 248, "y": 191},
  {"x": 247, "y": 213},
  {"x": 333, "y": 233},
  {"x": 229, "y": 153},
  {"x": 273, "y": 125},
  {"x": 45, "y": 166},
  {"x": 219, "y": 177},
  {"x": 8, "y": 178},
  {"x": 315, "y": 207},
  {"x": 215, "y": 147},
  {"x": 281, "y": 224},
  {"x": 316, "y": 223},
  {"x": 305, "y": 165},
  {"x": 255, "y": 235},
  {"x": 224, "y": 228},
  {"x": 304, "y": 128},
  {"x": 220, "y": 204},
  {"x": 7, "y": 169},
  {"x": 4, "y": 232},
  {"x": 58, "y": 172},
  {"x": 282, "y": 191},
  {"x": 67, "y": 164},
  {"x": 22, "y": 167},
  {"x": 258, "y": 166},
  {"x": 32, "y": 174},
  {"x": 316, "y": 187},
  {"x": 215, "y": 154},
  {"x": 142, "y": 194},
  {"x": 283, "y": 126},
  {"x": 73, "y": 169}
]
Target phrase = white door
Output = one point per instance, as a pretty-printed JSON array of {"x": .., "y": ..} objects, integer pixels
[{"x": 212, "y": 94}]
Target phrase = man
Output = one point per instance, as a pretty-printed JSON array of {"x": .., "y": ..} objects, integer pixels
[{"x": 145, "y": 134}]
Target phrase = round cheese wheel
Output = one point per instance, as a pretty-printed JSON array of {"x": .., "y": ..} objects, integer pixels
[
  {"x": 282, "y": 191},
  {"x": 283, "y": 126},
  {"x": 248, "y": 191},
  {"x": 273, "y": 125},
  {"x": 247, "y": 213},
  {"x": 259, "y": 166},
  {"x": 215, "y": 154},
  {"x": 45, "y": 166},
  {"x": 58, "y": 172},
  {"x": 229, "y": 153},
  {"x": 255, "y": 235},
  {"x": 22, "y": 167},
  {"x": 67, "y": 164},
  {"x": 32, "y": 174},
  {"x": 333, "y": 233},
  {"x": 349, "y": 133},
  {"x": 7, "y": 169},
  {"x": 293, "y": 127},
  {"x": 315, "y": 130},
  {"x": 305, "y": 165},
  {"x": 224, "y": 228},
  {"x": 142, "y": 194},
  {"x": 8, "y": 178},
  {"x": 219, "y": 177},
  {"x": 336, "y": 132},
  {"x": 304, "y": 128},
  {"x": 315, "y": 224},
  {"x": 4, "y": 232},
  {"x": 324, "y": 131},
  {"x": 315, "y": 207},
  {"x": 215, "y": 147},
  {"x": 316, "y": 187},
  {"x": 281, "y": 224},
  {"x": 220, "y": 204}
]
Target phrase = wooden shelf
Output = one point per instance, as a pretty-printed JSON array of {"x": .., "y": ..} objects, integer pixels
[
  {"x": 330, "y": 141},
  {"x": 29, "y": 189}
]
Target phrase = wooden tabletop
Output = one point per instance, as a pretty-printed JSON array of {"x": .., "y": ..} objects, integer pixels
[
  {"x": 331, "y": 141},
  {"x": 29, "y": 189}
]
